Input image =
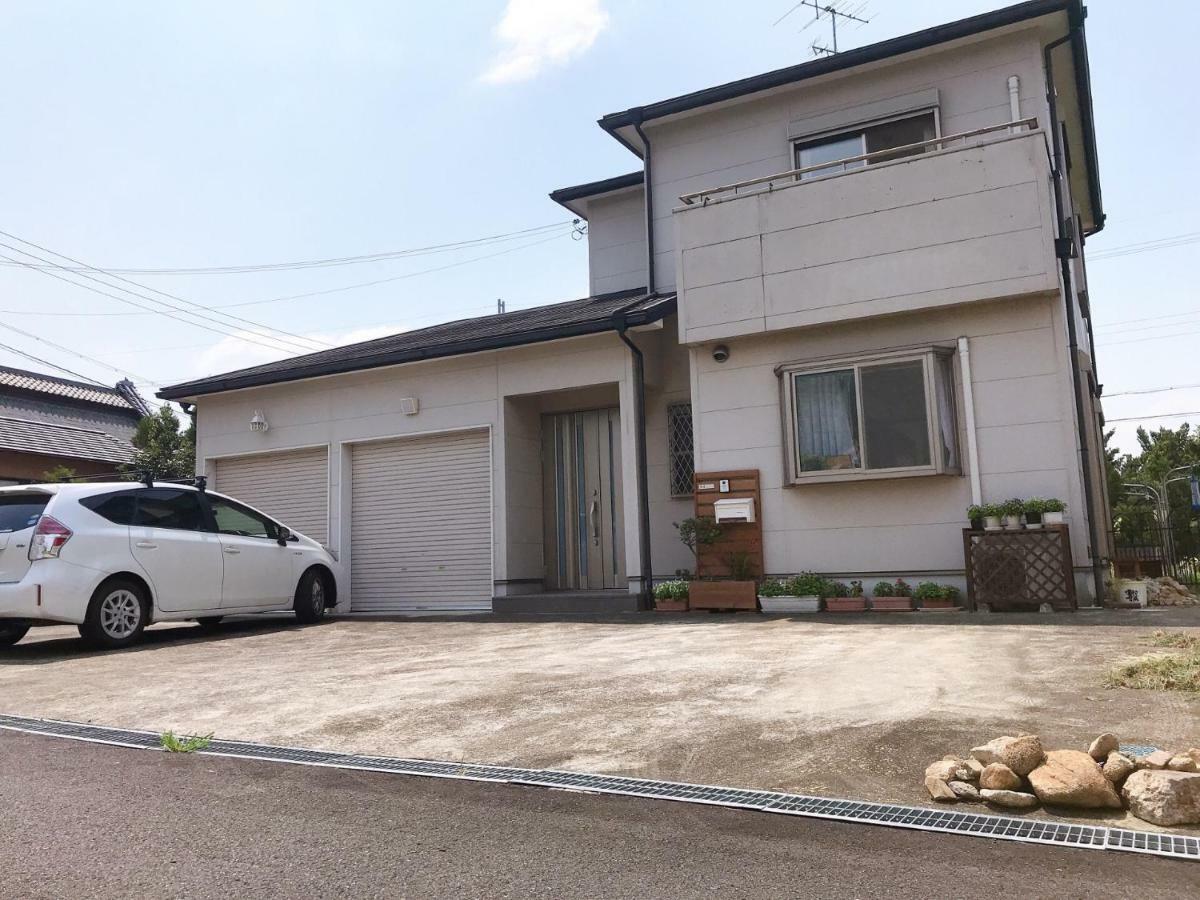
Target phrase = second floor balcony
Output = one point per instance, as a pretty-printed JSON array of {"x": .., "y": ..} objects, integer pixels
[{"x": 952, "y": 220}]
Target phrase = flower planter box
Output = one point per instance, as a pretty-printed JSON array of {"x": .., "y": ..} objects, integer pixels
[
  {"x": 670, "y": 605},
  {"x": 992, "y": 523},
  {"x": 846, "y": 604},
  {"x": 1052, "y": 518},
  {"x": 892, "y": 604},
  {"x": 723, "y": 595},
  {"x": 940, "y": 604},
  {"x": 790, "y": 604}
]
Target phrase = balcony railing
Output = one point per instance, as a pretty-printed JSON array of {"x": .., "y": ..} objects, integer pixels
[{"x": 891, "y": 154}]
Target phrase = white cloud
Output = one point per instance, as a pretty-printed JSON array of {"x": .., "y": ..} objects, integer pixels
[
  {"x": 230, "y": 354},
  {"x": 535, "y": 34}
]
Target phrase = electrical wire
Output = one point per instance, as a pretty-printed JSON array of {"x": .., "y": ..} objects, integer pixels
[
  {"x": 41, "y": 340},
  {"x": 330, "y": 261},
  {"x": 46, "y": 362},
  {"x": 1161, "y": 390},
  {"x": 1178, "y": 240},
  {"x": 1156, "y": 416}
]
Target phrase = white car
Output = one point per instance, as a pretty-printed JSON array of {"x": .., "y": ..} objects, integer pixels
[{"x": 113, "y": 558}]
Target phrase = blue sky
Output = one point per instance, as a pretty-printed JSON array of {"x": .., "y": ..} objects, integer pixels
[{"x": 149, "y": 135}]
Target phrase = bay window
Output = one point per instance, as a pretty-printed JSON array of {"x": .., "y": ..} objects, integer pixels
[{"x": 884, "y": 415}]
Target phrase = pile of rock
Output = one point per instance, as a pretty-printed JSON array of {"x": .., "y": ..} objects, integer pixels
[
  {"x": 1169, "y": 592},
  {"x": 1018, "y": 773}
]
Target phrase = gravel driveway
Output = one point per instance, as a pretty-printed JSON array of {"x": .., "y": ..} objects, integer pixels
[{"x": 852, "y": 707}]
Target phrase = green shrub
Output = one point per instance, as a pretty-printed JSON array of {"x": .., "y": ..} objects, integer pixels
[
  {"x": 991, "y": 510},
  {"x": 1012, "y": 507},
  {"x": 884, "y": 589},
  {"x": 856, "y": 589},
  {"x": 773, "y": 587},
  {"x": 903, "y": 589},
  {"x": 975, "y": 512},
  {"x": 928, "y": 590},
  {"x": 741, "y": 565},
  {"x": 1053, "y": 505},
  {"x": 671, "y": 590},
  {"x": 1034, "y": 506},
  {"x": 838, "y": 589},
  {"x": 806, "y": 584}
]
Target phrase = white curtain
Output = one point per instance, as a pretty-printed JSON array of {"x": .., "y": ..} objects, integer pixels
[
  {"x": 944, "y": 381},
  {"x": 827, "y": 418}
]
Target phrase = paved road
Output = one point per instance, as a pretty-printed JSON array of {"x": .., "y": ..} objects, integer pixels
[{"x": 87, "y": 820}]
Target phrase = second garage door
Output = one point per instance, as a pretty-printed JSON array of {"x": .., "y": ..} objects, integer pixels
[
  {"x": 421, "y": 524},
  {"x": 291, "y": 486}
]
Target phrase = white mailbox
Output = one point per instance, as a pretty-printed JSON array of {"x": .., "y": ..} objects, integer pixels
[{"x": 734, "y": 509}]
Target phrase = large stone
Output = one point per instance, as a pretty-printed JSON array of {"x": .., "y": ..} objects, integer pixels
[
  {"x": 939, "y": 790},
  {"x": 945, "y": 769},
  {"x": 1023, "y": 755},
  {"x": 1103, "y": 745},
  {"x": 1010, "y": 799},
  {"x": 975, "y": 767},
  {"x": 1164, "y": 798},
  {"x": 1117, "y": 768},
  {"x": 990, "y": 752},
  {"x": 1183, "y": 762},
  {"x": 964, "y": 791},
  {"x": 999, "y": 777},
  {"x": 1072, "y": 778},
  {"x": 1156, "y": 760}
]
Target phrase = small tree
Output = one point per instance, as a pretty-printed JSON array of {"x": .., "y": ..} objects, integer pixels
[
  {"x": 697, "y": 533},
  {"x": 59, "y": 474},
  {"x": 163, "y": 451}
]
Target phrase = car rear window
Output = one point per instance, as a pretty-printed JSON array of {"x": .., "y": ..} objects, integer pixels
[{"x": 20, "y": 511}]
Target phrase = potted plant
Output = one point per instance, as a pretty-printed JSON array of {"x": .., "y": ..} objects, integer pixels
[
  {"x": 1052, "y": 511},
  {"x": 671, "y": 596},
  {"x": 846, "y": 599},
  {"x": 1034, "y": 508},
  {"x": 1011, "y": 510},
  {"x": 795, "y": 595},
  {"x": 975, "y": 517},
  {"x": 739, "y": 591},
  {"x": 888, "y": 597},
  {"x": 991, "y": 516},
  {"x": 936, "y": 596}
]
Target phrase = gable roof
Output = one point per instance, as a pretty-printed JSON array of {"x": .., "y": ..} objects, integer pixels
[
  {"x": 570, "y": 196},
  {"x": 52, "y": 439},
  {"x": 635, "y": 116},
  {"x": 591, "y": 315},
  {"x": 122, "y": 396}
]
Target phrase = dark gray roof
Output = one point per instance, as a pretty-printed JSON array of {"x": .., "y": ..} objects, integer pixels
[
  {"x": 123, "y": 395},
  {"x": 591, "y": 315},
  {"x": 49, "y": 439},
  {"x": 568, "y": 195}
]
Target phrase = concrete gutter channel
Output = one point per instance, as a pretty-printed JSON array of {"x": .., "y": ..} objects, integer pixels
[{"x": 1093, "y": 837}]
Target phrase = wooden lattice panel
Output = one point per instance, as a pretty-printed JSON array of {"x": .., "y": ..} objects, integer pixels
[{"x": 1019, "y": 569}]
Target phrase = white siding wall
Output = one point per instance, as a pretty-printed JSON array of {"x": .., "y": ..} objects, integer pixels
[{"x": 617, "y": 242}]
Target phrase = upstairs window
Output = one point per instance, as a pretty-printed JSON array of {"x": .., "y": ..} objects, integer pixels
[
  {"x": 871, "y": 417},
  {"x": 863, "y": 140}
]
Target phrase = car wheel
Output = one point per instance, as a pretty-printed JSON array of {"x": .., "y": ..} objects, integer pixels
[
  {"x": 209, "y": 623},
  {"x": 11, "y": 632},
  {"x": 116, "y": 615},
  {"x": 310, "y": 597}
]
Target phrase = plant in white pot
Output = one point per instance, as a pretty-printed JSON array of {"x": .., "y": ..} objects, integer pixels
[
  {"x": 801, "y": 594},
  {"x": 1012, "y": 510},
  {"x": 1052, "y": 511},
  {"x": 991, "y": 516}
]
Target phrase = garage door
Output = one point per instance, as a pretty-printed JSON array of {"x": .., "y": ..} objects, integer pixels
[
  {"x": 292, "y": 486},
  {"x": 421, "y": 524}
]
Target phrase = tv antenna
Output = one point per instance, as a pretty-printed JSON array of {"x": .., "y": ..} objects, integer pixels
[{"x": 847, "y": 10}]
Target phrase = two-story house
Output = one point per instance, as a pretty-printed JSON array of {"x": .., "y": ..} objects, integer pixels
[{"x": 861, "y": 276}]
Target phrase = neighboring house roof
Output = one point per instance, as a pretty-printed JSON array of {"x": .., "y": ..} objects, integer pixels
[
  {"x": 591, "y": 315},
  {"x": 122, "y": 396},
  {"x": 49, "y": 439},
  {"x": 570, "y": 196},
  {"x": 918, "y": 40}
]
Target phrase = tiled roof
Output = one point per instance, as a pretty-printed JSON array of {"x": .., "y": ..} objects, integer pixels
[
  {"x": 122, "y": 396},
  {"x": 49, "y": 439},
  {"x": 591, "y": 315}
]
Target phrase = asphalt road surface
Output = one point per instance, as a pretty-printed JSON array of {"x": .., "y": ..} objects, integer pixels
[{"x": 85, "y": 820}]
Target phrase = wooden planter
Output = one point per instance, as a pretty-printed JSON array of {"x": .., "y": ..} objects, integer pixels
[
  {"x": 670, "y": 605},
  {"x": 723, "y": 595},
  {"x": 845, "y": 604},
  {"x": 892, "y": 604}
]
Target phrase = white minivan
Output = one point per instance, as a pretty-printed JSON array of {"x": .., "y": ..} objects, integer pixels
[{"x": 113, "y": 558}]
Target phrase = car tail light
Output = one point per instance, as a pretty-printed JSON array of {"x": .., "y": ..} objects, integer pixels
[{"x": 48, "y": 538}]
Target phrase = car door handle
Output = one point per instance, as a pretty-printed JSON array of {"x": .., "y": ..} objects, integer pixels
[
  {"x": 232, "y": 551},
  {"x": 147, "y": 545}
]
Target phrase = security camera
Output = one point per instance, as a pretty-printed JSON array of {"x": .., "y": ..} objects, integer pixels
[{"x": 720, "y": 353}]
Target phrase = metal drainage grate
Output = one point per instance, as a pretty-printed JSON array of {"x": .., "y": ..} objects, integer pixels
[
  {"x": 912, "y": 817},
  {"x": 1136, "y": 750}
]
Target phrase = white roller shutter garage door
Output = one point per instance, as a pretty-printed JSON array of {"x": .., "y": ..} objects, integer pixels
[
  {"x": 291, "y": 486},
  {"x": 421, "y": 524}
]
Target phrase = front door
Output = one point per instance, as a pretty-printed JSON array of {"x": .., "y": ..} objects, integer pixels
[{"x": 581, "y": 466}]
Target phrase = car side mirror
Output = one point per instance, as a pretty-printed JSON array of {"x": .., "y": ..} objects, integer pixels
[{"x": 285, "y": 535}]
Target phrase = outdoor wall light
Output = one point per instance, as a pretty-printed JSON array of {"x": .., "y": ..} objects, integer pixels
[{"x": 258, "y": 422}]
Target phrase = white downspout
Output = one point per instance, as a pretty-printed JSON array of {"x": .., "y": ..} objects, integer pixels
[
  {"x": 964, "y": 362},
  {"x": 1014, "y": 99}
]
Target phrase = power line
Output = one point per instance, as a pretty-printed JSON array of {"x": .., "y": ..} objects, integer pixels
[
  {"x": 1181, "y": 315},
  {"x": 1156, "y": 416},
  {"x": 1142, "y": 340},
  {"x": 1161, "y": 390},
  {"x": 46, "y": 362},
  {"x": 330, "y": 261},
  {"x": 1178, "y": 240},
  {"x": 263, "y": 328},
  {"x": 33, "y": 337}
]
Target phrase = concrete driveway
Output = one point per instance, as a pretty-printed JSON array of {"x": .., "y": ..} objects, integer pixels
[{"x": 853, "y": 708}]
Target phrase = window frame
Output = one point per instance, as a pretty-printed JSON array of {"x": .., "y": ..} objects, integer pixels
[
  {"x": 672, "y": 451},
  {"x": 860, "y": 129},
  {"x": 932, "y": 358}
]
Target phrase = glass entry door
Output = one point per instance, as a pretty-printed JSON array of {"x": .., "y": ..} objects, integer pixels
[{"x": 581, "y": 466}]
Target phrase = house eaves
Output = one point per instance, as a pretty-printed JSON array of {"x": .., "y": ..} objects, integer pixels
[{"x": 576, "y": 197}]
